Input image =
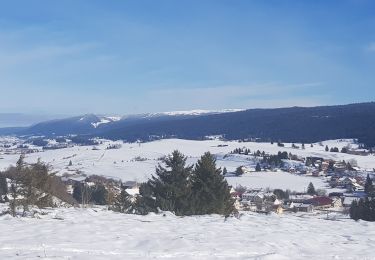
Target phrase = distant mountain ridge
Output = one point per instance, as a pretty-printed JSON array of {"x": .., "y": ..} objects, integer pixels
[{"x": 294, "y": 124}]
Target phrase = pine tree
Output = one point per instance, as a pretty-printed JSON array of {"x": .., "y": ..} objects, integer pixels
[
  {"x": 369, "y": 187},
  {"x": 145, "y": 202},
  {"x": 210, "y": 191},
  {"x": 327, "y": 149},
  {"x": 70, "y": 163},
  {"x": 99, "y": 194},
  {"x": 238, "y": 171},
  {"x": 3, "y": 186},
  {"x": 122, "y": 203},
  {"x": 311, "y": 189},
  {"x": 353, "y": 211},
  {"x": 171, "y": 184},
  {"x": 225, "y": 171},
  {"x": 258, "y": 168}
]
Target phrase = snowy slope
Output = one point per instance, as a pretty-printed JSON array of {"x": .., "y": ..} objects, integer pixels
[
  {"x": 100, "y": 234},
  {"x": 196, "y": 112},
  {"x": 121, "y": 163}
]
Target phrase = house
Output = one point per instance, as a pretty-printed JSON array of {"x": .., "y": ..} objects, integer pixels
[
  {"x": 339, "y": 167},
  {"x": 129, "y": 184},
  {"x": 320, "y": 202},
  {"x": 325, "y": 165},
  {"x": 299, "y": 198},
  {"x": 254, "y": 196},
  {"x": 336, "y": 194},
  {"x": 336, "y": 202},
  {"x": 302, "y": 207},
  {"x": 348, "y": 180},
  {"x": 278, "y": 209},
  {"x": 236, "y": 195},
  {"x": 354, "y": 187}
]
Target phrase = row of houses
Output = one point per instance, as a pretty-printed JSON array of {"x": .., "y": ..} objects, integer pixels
[{"x": 265, "y": 201}]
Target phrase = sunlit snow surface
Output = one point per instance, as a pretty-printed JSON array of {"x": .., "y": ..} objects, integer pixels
[
  {"x": 121, "y": 163},
  {"x": 101, "y": 234}
]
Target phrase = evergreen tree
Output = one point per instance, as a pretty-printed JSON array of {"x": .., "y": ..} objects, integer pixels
[
  {"x": 122, "y": 203},
  {"x": 327, "y": 149},
  {"x": 225, "y": 171},
  {"x": 99, "y": 194},
  {"x": 353, "y": 211},
  {"x": 145, "y": 202},
  {"x": 311, "y": 189},
  {"x": 77, "y": 191},
  {"x": 238, "y": 171},
  {"x": 171, "y": 185},
  {"x": 3, "y": 186},
  {"x": 210, "y": 191},
  {"x": 258, "y": 168},
  {"x": 303, "y": 146},
  {"x": 369, "y": 187},
  {"x": 280, "y": 194},
  {"x": 363, "y": 209},
  {"x": 70, "y": 163}
]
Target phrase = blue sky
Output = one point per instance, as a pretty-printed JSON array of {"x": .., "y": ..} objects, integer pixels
[{"x": 123, "y": 57}]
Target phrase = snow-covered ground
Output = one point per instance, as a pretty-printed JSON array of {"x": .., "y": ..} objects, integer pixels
[
  {"x": 100, "y": 234},
  {"x": 121, "y": 163},
  {"x": 277, "y": 180},
  {"x": 73, "y": 233}
]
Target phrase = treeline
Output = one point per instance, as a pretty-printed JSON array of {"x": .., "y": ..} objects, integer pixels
[{"x": 181, "y": 189}]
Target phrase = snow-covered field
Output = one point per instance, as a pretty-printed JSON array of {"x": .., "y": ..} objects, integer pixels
[
  {"x": 100, "y": 234},
  {"x": 73, "y": 233},
  {"x": 121, "y": 163}
]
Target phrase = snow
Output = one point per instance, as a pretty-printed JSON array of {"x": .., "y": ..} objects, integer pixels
[
  {"x": 106, "y": 120},
  {"x": 96, "y": 233},
  {"x": 277, "y": 180},
  {"x": 121, "y": 163},
  {"x": 73, "y": 233},
  {"x": 195, "y": 112}
]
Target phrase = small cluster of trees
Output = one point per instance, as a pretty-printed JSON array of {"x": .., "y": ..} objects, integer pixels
[
  {"x": 275, "y": 160},
  {"x": 281, "y": 194},
  {"x": 244, "y": 151},
  {"x": 181, "y": 189},
  {"x": 364, "y": 208},
  {"x": 113, "y": 146},
  {"x": 96, "y": 190},
  {"x": 336, "y": 150},
  {"x": 31, "y": 185}
]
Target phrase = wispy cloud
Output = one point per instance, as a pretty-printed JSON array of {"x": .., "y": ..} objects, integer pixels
[
  {"x": 40, "y": 53},
  {"x": 370, "y": 47}
]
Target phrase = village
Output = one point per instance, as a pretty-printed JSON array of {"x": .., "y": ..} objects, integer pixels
[{"x": 345, "y": 180}]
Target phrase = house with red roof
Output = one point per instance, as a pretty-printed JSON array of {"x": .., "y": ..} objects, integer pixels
[{"x": 320, "y": 202}]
